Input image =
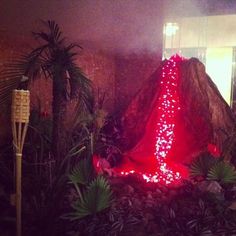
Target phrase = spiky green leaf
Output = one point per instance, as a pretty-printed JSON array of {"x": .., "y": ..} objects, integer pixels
[
  {"x": 222, "y": 172},
  {"x": 201, "y": 165},
  {"x": 97, "y": 198},
  {"x": 83, "y": 172}
]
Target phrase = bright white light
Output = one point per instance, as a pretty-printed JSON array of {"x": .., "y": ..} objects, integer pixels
[
  {"x": 219, "y": 67},
  {"x": 170, "y": 29}
]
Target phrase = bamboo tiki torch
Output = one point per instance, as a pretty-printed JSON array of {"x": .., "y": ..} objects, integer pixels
[{"x": 20, "y": 120}]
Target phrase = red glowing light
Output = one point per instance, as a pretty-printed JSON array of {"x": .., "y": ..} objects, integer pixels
[
  {"x": 213, "y": 150},
  {"x": 168, "y": 106},
  {"x": 155, "y": 166}
]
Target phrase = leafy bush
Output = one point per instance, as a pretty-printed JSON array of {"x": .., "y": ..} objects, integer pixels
[
  {"x": 195, "y": 213},
  {"x": 119, "y": 219},
  {"x": 142, "y": 210}
]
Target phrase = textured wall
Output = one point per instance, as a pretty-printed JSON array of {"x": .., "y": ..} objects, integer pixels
[
  {"x": 118, "y": 76},
  {"x": 98, "y": 67},
  {"x": 132, "y": 71}
]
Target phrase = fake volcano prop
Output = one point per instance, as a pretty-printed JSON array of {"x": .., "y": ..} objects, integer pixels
[{"x": 177, "y": 115}]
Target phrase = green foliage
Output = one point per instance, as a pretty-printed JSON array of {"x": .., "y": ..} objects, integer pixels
[
  {"x": 44, "y": 181},
  {"x": 195, "y": 213},
  {"x": 187, "y": 212},
  {"x": 201, "y": 165},
  {"x": 118, "y": 220},
  {"x": 96, "y": 198},
  {"x": 222, "y": 172},
  {"x": 96, "y": 133},
  {"x": 76, "y": 150},
  {"x": 44, "y": 202},
  {"x": 214, "y": 169},
  {"x": 56, "y": 59},
  {"x": 38, "y": 140},
  {"x": 82, "y": 173}
]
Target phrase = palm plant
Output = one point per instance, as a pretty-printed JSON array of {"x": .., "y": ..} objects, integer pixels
[
  {"x": 96, "y": 198},
  {"x": 55, "y": 59},
  {"x": 97, "y": 133},
  {"x": 201, "y": 165},
  {"x": 222, "y": 172},
  {"x": 83, "y": 172}
]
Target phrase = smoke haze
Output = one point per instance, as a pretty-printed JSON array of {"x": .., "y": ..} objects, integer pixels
[{"x": 113, "y": 25}]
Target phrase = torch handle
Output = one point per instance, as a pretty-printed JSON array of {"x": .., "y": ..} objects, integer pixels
[{"x": 18, "y": 193}]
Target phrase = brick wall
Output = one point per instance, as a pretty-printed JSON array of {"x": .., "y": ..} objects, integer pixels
[
  {"x": 118, "y": 76},
  {"x": 131, "y": 72},
  {"x": 97, "y": 66}
]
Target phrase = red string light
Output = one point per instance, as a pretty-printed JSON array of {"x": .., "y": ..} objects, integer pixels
[{"x": 168, "y": 107}]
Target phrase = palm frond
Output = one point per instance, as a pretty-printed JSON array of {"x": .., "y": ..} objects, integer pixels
[
  {"x": 83, "y": 172},
  {"x": 97, "y": 198},
  {"x": 72, "y": 46},
  {"x": 53, "y": 36},
  {"x": 76, "y": 150},
  {"x": 45, "y": 60},
  {"x": 81, "y": 88},
  {"x": 28, "y": 64},
  {"x": 201, "y": 165},
  {"x": 222, "y": 172},
  {"x": 54, "y": 30}
]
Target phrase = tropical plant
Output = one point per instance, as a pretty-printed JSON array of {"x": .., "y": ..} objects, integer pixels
[
  {"x": 96, "y": 198},
  {"x": 201, "y": 165},
  {"x": 171, "y": 211},
  {"x": 55, "y": 59},
  {"x": 195, "y": 213},
  {"x": 38, "y": 141},
  {"x": 82, "y": 173},
  {"x": 44, "y": 182},
  {"x": 118, "y": 220},
  {"x": 222, "y": 172},
  {"x": 44, "y": 203},
  {"x": 97, "y": 133}
]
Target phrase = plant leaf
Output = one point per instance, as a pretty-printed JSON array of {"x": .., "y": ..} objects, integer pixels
[
  {"x": 97, "y": 198},
  {"x": 83, "y": 172},
  {"x": 201, "y": 165},
  {"x": 222, "y": 172}
]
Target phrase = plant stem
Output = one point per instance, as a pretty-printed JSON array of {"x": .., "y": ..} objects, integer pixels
[
  {"x": 79, "y": 192},
  {"x": 92, "y": 142}
]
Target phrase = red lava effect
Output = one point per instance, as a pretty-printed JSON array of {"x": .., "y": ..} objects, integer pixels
[{"x": 168, "y": 107}]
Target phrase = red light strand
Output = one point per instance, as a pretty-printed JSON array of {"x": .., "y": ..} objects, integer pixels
[{"x": 168, "y": 107}]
